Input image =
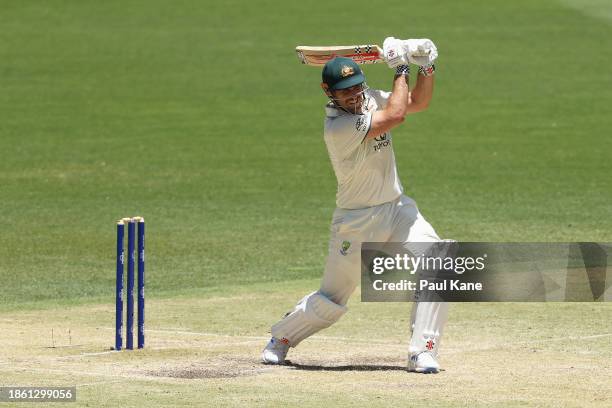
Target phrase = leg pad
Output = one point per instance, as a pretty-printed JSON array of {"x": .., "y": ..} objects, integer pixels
[{"x": 313, "y": 313}]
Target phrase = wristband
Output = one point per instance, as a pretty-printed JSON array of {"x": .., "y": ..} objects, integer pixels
[
  {"x": 402, "y": 70},
  {"x": 427, "y": 70}
]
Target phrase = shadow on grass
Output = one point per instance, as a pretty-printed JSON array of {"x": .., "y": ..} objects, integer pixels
[{"x": 356, "y": 367}]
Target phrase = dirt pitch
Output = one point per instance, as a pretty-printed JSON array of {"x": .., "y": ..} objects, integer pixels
[{"x": 204, "y": 351}]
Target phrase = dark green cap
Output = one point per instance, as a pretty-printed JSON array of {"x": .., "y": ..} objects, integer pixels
[{"x": 342, "y": 73}]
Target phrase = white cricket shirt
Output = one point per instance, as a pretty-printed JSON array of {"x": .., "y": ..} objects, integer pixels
[{"x": 365, "y": 169}]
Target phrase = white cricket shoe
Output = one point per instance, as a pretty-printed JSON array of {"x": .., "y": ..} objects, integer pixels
[
  {"x": 423, "y": 362},
  {"x": 275, "y": 352}
]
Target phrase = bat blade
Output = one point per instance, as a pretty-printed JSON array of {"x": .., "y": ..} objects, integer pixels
[{"x": 318, "y": 56}]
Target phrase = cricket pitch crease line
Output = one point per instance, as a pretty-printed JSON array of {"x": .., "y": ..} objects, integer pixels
[
  {"x": 170, "y": 379},
  {"x": 78, "y": 356},
  {"x": 593, "y": 336},
  {"x": 122, "y": 377},
  {"x": 257, "y": 339},
  {"x": 98, "y": 383},
  {"x": 352, "y": 340},
  {"x": 100, "y": 374},
  {"x": 336, "y": 339},
  {"x": 99, "y": 353},
  {"x": 330, "y": 339}
]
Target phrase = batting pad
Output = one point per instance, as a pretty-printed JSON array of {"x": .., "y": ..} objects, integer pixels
[
  {"x": 429, "y": 322},
  {"x": 429, "y": 318},
  {"x": 313, "y": 313}
]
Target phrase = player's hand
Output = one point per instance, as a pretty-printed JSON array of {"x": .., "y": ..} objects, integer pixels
[
  {"x": 394, "y": 52},
  {"x": 420, "y": 51}
]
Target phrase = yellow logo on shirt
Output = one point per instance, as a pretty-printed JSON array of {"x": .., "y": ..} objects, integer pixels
[{"x": 345, "y": 247}]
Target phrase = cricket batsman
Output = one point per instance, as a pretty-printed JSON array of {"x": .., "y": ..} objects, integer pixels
[{"x": 371, "y": 206}]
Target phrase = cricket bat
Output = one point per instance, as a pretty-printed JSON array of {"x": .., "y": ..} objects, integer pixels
[{"x": 361, "y": 54}]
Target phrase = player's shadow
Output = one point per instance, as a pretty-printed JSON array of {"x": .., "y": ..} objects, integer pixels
[{"x": 352, "y": 367}]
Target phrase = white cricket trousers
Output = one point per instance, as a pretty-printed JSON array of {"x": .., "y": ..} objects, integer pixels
[{"x": 395, "y": 221}]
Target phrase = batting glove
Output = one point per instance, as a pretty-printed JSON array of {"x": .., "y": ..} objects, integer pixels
[
  {"x": 421, "y": 52},
  {"x": 394, "y": 52}
]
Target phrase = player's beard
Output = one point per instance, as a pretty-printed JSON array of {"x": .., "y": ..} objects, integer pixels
[{"x": 360, "y": 107}]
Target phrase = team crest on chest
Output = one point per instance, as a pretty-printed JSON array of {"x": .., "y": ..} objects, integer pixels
[{"x": 345, "y": 247}]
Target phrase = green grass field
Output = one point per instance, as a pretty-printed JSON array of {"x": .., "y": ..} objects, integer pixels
[{"x": 197, "y": 116}]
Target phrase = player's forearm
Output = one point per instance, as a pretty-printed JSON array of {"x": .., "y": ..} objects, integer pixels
[
  {"x": 400, "y": 95},
  {"x": 423, "y": 91},
  {"x": 393, "y": 114}
]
